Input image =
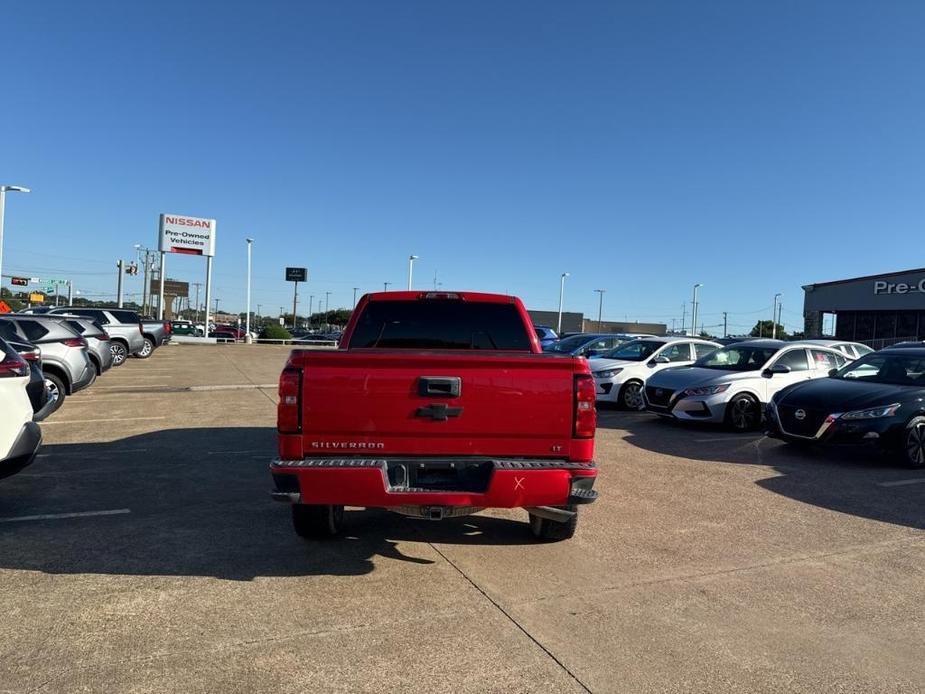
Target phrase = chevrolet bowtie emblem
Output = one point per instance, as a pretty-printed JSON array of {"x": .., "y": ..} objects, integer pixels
[{"x": 439, "y": 412}]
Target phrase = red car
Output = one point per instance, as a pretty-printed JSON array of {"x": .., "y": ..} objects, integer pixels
[{"x": 437, "y": 404}]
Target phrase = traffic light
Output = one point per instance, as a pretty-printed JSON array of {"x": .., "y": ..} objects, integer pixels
[{"x": 20, "y": 281}]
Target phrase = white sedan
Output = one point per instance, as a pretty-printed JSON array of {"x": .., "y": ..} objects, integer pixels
[
  {"x": 734, "y": 384},
  {"x": 620, "y": 375},
  {"x": 19, "y": 435}
]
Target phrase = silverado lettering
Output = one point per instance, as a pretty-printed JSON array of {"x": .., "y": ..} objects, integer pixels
[
  {"x": 455, "y": 387},
  {"x": 346, "y": 444}
]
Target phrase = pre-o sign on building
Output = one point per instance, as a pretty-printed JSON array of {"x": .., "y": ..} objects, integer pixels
[{"x": 189, "y": 235}]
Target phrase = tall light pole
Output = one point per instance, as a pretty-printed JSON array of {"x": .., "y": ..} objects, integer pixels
[
  {"x": 327, "y": 304},
  {"x": 561, "y": 295},
  {"x": 355, "y": 297},
  {"x": 411, "y": 259},
  {"x": 774, "y": 316},
  {"x": 3, "y": 192},
  {"x": 385, "y": 286},
  {"x": 600, "y": 307},
  {"x": 311, "y": 303},
  {"x": 247, "y": 323},
  {"x": 694, "y": 310}
]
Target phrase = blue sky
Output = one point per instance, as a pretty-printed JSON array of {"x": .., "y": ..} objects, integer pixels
[{"x": 642, "y": 147}]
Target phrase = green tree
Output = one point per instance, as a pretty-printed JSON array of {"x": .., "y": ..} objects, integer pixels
[
  {"x": 764, "y": 328},
  {"x": 7, "y": 296},
  {"x": 274, "y": 331}
]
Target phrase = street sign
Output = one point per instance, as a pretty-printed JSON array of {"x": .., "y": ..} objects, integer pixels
[
  {"x": 5, "y": 307},
  {"x": 171, "y": 287},
  {"x": 188, "y": 235},
  {"x": 296, "y": 274},
  {"x": 36, "y": 298}
]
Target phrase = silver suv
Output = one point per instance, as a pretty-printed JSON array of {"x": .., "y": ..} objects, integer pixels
[
  {"x": 65, "y": 357},
  {"x": 122, "y": 325},
  {"x": 97, "y": 340}
]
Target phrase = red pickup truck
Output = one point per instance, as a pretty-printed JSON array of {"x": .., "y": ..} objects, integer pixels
[{"x": 436, "y": 404}]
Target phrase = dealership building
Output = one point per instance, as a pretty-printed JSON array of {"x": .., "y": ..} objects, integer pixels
[{"x": 877, "y": 309}]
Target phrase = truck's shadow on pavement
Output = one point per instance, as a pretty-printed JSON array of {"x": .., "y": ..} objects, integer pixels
[
  {"x": 199, "y": 505},
  {"x": 847, "y": 480}
]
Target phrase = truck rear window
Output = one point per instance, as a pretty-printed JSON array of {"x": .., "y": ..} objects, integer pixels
[{"x": 440, "y": 324}]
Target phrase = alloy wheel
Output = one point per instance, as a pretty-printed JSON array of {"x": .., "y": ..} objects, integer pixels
[
  {"x": 53, "y": 392},
  {"x": 915, "y": 444},
  {"x": 632, "y": 396},
  {"x": 744, "y": 414}
]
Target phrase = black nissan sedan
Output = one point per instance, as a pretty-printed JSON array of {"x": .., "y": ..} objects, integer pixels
[{"x": 878, "y": 399}]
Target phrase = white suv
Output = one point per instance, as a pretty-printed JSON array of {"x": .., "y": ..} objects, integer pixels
[
  {"x": 19, "y": 435},
  {"x": 733, "y": 384},
  {"x": 619, "y": 375}
]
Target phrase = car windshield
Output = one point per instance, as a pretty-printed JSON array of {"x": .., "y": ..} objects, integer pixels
[
  {"x": 569, "y": 344},
  {"x": 899, "y": 370},
  {"x": 637, "y": 350},
  {"x": 737, "y": 357}
]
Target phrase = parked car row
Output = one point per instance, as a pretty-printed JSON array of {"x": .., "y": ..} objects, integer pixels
[
  {"x": 49, "y": 354},
  {"x": 810, "y": 392}
]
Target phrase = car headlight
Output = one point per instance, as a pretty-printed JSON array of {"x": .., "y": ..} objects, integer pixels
[
  {"x": 609, "y": 373},
  {"x": 873, "y": 412},
  {"x": 706, "y": 390}
]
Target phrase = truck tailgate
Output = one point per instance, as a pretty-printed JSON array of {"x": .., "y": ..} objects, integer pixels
[{"x": 436, "y": 403}]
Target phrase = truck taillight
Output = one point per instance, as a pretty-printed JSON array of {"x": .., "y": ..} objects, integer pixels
[
  {"x": 168, "y": 327},
  {"x": 585, "y": 414},
  {"x": 288, "y": 412}
]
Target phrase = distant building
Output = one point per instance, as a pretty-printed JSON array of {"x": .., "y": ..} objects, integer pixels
[
  {"x": 571, "y": 322},
  {"x": 577, "y": 323},
  {"x": 877, "y": 309},
  {"x": 607, "y": 326}
]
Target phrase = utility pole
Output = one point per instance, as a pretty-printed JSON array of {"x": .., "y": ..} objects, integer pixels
[
  {"x": 694, "y": 311},
  {"x": 411, "y": 259},
  {"x": 197, "y": 285},
  {"x": 327, "y": 304},
  {"x": 311, "y": 302},
  {"x": 295, "y": 300},
  {"x": 216, "y": 305},
  {"x": 600, "y": 307},
  {"x": 561, "y": 295},
  {"x": 355, "y": 293},
  {"x": 120, "y": 268},
  {"x": 725, "y": 331},
  {"x": 70, "y": 292},
  {"x": 774, "y": 317},
  {"x": 683, "y": 315},
  {"x": 3, "y": 192},
  {"x": 247, "y": 320},
  {"x": 780, "y": 307}
]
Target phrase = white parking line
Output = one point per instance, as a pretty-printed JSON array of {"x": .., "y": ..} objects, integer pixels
[
  {"x": 728, "y": 438},
  {"x": 139, "y": 385},
  {"x": 902, "y": 483},
  {"x": 55, "y": 516},
  {"x": 94, "y": 421},
  {"x": 247, "y": 386}
]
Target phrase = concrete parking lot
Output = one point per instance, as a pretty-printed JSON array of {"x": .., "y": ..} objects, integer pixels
[{"x": 141, "y": 552}]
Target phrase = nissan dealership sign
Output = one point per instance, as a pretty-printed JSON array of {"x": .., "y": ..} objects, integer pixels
[{"x": 189, "y": 235}]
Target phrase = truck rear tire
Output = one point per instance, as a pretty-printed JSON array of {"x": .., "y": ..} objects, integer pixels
[
  {"x": 553, "y": 531},
  {"x": 317, "y": 521}
]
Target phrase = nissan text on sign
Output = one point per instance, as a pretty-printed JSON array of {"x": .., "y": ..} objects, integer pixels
[{"x": 188, "y": 235}]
